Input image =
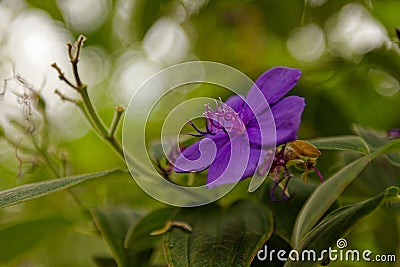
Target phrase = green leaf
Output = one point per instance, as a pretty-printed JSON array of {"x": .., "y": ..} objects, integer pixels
[
  {"x": 139, "y": 236},
  {"x": 20, "y": 238},
  {"x": 352, "y": 143},
  {"x": 31, "y": 191},
  {"x": 337, "y": 224},
  {"x": 375, "y": 140},
  {"x": 105, "y": 262},
  {"x": 285, "y": 212},
  {"x": 147, "y": 13},
  {"x": 324, "y": 196},
  {"x": 220, "y": 236},
  {"x": 327, "y": 193},
  {"x": 113, "y": 224}
]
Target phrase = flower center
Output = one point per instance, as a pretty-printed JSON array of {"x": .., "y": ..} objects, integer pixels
[{"x": 224, "y": 117}]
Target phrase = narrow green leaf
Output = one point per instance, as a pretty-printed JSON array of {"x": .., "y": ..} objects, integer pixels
[
  {"x": 113, "y": 225},
  {"x": 20, "y": 238},
  {"x": 285, "y": 212},
  {"x": 337, "y": 224},
  {"x": 376, "y": 140},
  {"x": 391, "y": 152},
  {"x": 220, "y": 237},
  {"x": 31, "y": 191},
  {"x": 139, "y": 236},
  {"x": 351, "y": 143},
  {"x": 394, "y": 158},
  {"x": 326, "y": 194}
]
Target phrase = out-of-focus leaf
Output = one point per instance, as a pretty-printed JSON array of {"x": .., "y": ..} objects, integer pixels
[
  {"x": 375, "y": 140},
  {"x": 146, "y": 14},
  {"x": 105, "y": 262},
  {"x": 285, "y": 212},
  {"x": 27, "y": 192},
  {"x": 49, "y": 6},
  {"x": 139, "y": 235},
  {"x": 220, "y": 237},
  {"x": 352, "y": 143},
  {"x": 20, "y": 238},
  {"x": 113, "y": 225},
  {"x": 339, "y": 223}
]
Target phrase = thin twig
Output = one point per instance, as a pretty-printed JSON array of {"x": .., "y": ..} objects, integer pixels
[
  {"x": 66, "y": 98},
  {"x": 86, "y": 105},
  {"x": 62, "y": 77},
  {"x": 101, "y": 129},
  {"x": 119, "y": 110},
  {"x": 75, "y": 59},
  {"x": 70, "y": 48}
]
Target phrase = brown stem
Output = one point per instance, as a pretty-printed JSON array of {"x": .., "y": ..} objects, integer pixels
[{"x": 62, "y": 77}]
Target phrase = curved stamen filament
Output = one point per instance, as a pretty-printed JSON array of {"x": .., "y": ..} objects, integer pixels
[
  {"x": 318, "y": 173},
  {"x": 200, "y": 132},
  {"x": 224, "y": 117}
]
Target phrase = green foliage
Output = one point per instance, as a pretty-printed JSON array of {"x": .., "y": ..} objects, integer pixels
[
  {"x": 220, "y": 236},
  {"x": 113, "y": 225},
  {"x": 18, "y": 239},
  {"x": 139, "y": 236},
  {"x": 346, "y": 143},
  {"x": 339, "y": 223},
  {"x": 27, "y": 192},
  {"x": 343, "y": 90},
  {"x": 285, "y": 212},
  {"x": 325, "y": 195}
]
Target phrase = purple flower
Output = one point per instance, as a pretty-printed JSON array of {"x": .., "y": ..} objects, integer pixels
[{"x": 240, "y": 130}]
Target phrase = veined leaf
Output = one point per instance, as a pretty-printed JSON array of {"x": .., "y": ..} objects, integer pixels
[
  {"x": 375, "y": 140},
  {"x": 219, "y": 237},
  {"x": 327, "y": 193},
  {"x": 337, "y": 224},
  {"x": 324, "y": 196},
  {"x": 352, "y": 143},
  {"x": 139, "y": 235},
  {"x": 113, "y": 225},
  {"x": 31, "y": 191}
]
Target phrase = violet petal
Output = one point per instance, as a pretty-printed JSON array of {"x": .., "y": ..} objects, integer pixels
[
  {"x": 274, "y": 84},
  {"x": 230, "y": 163},
  {"x": 254, "y": 160},
  {"x": 201, "y": 154},
  {"x": 287, "y": 115},
  {"x": 236, "y": 102},
  {"x": 263, "y": 122}
]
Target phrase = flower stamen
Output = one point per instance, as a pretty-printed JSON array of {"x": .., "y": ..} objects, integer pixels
[
  {"x": 200, "y": 133},
  {"x": 224, "y": 118}
]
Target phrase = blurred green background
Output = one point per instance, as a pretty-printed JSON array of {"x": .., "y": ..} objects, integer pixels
[{"x": 347, "y": 51}]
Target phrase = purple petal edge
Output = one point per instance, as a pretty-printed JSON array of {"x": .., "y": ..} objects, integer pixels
[
  {"x": 287, "y": 116},
  {"x": 274, "y": 84}
]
